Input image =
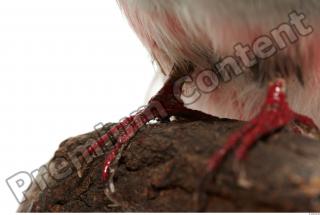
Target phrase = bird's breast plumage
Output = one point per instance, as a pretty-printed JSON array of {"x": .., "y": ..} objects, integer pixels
[{"x": 204, "y": 32}]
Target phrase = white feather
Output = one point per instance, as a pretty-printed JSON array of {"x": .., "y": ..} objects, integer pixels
[{"x": 202, "y": 31}]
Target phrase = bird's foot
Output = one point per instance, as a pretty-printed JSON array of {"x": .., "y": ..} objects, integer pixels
[
  {"x": 274, "y": 115},
  {"x": 163, "y": 105}
]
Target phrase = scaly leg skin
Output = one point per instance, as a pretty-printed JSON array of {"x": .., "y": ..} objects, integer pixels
[
  {"x": 163, "y": 105},
  {"x": 274, "y": 115}
]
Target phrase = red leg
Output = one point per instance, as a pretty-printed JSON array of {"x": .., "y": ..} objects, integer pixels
[
  {"x": 304, "y": 120},
  {"x": 163, "y": 105},
  {"x": 232, "y": 141},
  {"x": 274, "y": 115},
  {"x": 109, "y": 135},
  {"x": 129, "y": 132}
]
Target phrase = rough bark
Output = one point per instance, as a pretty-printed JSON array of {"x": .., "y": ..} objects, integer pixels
[{"x": 162, "y": 169}]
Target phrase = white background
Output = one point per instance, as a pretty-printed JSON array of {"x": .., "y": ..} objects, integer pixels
[{"x": 65, "y": 65}]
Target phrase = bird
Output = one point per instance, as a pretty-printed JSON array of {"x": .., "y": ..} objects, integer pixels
[{"x": 250, "y": 60}]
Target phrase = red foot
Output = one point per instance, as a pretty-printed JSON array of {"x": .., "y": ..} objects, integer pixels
[
  {"x": 275, "y": 114},
  {"x": 161, "y": 106}
]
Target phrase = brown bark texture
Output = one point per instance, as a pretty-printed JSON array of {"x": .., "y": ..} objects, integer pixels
[{"x": 162, "y": 169}]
